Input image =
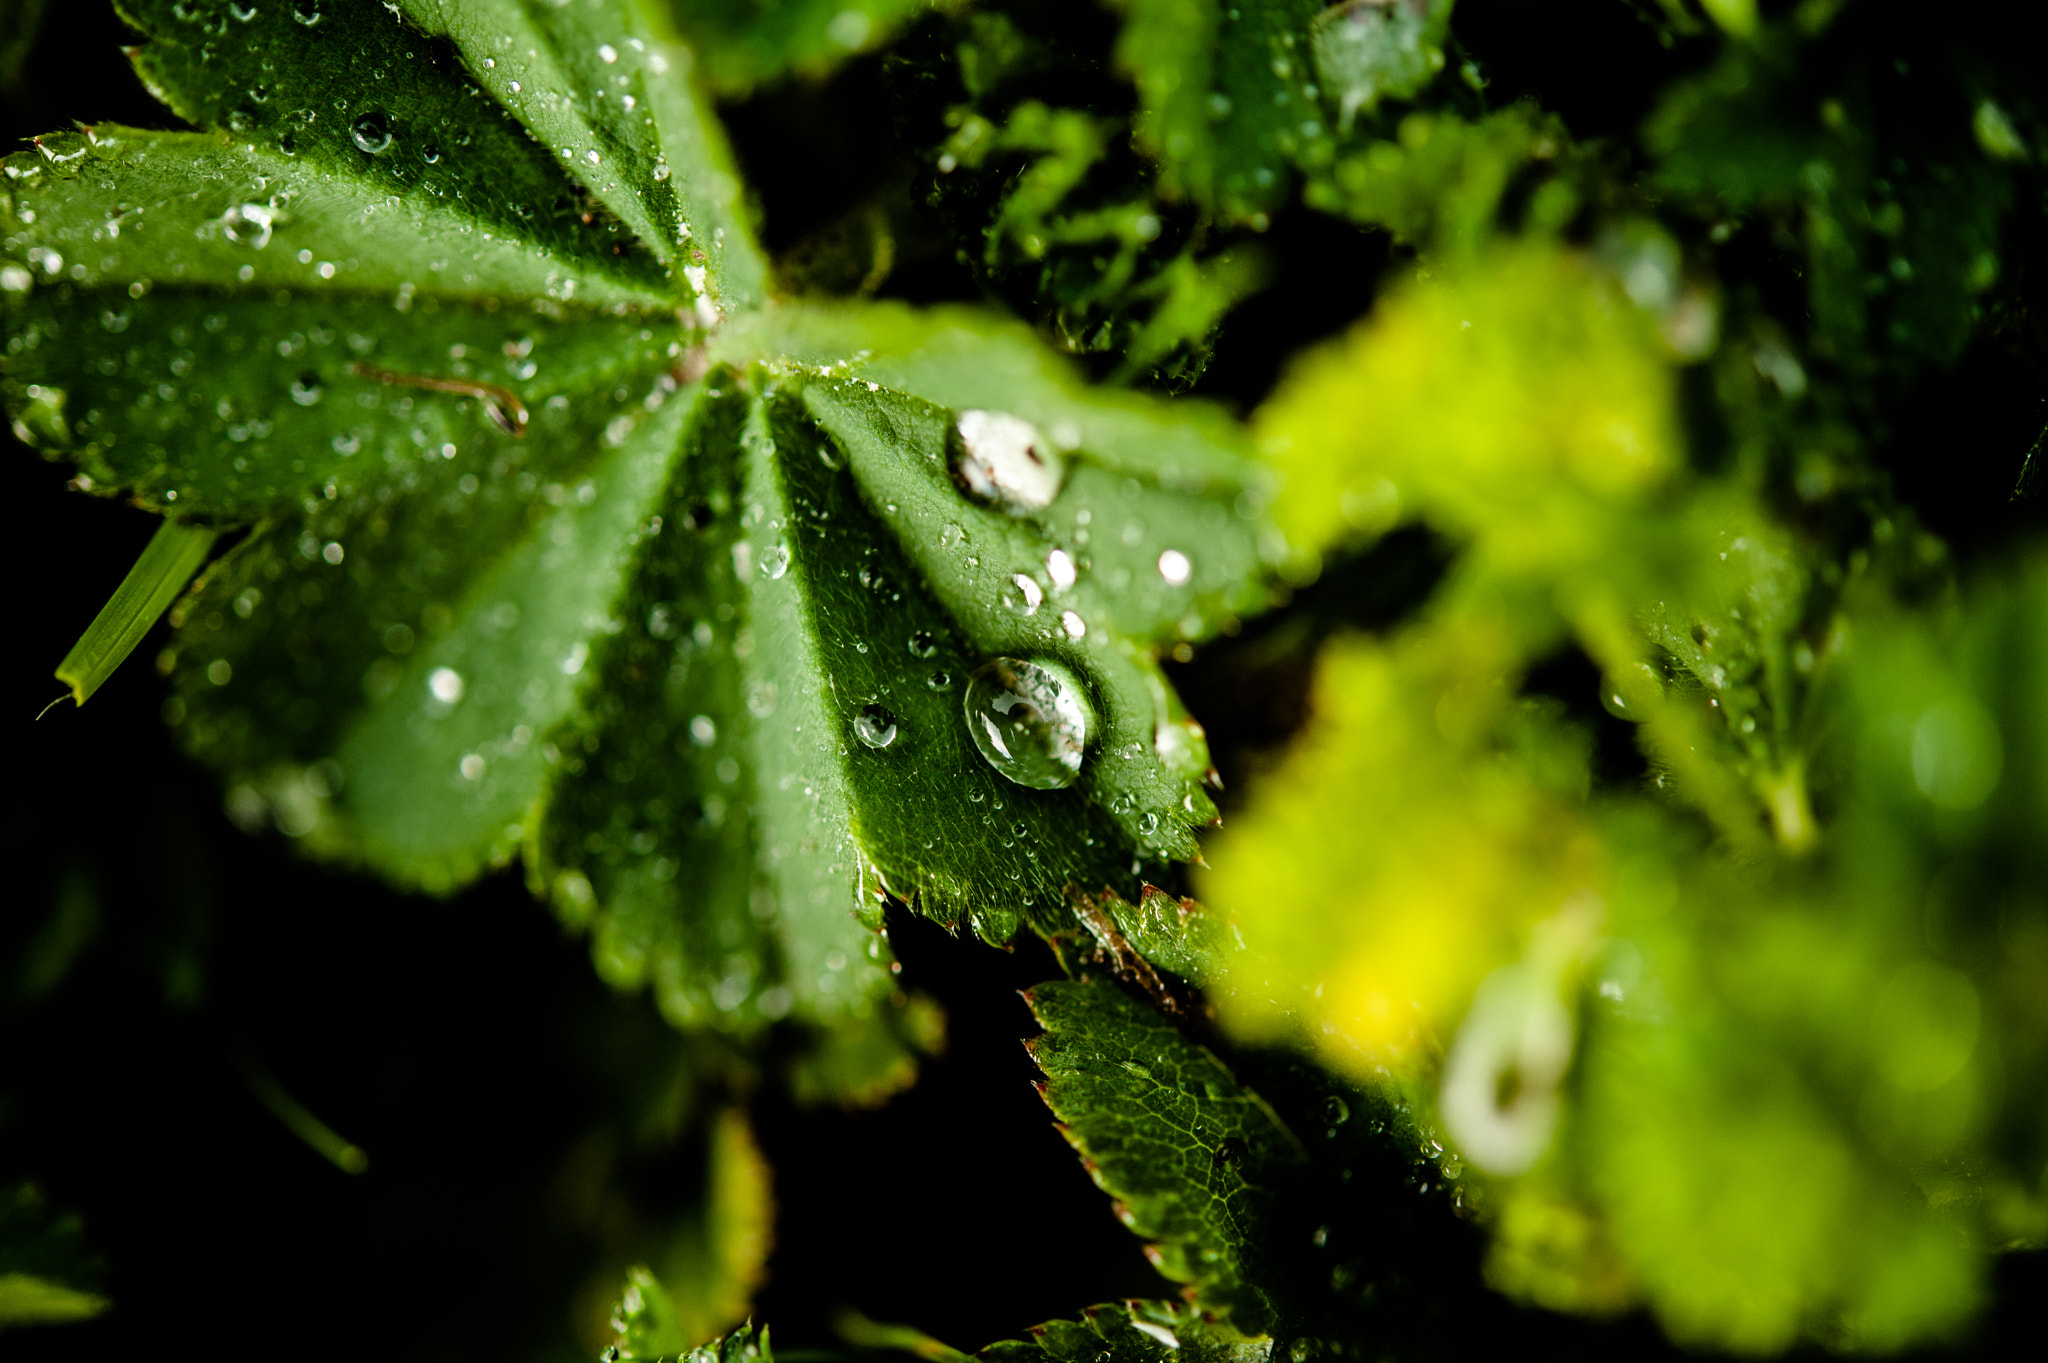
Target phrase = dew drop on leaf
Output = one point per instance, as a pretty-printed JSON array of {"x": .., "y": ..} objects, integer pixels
[
  {"x": 1030, "y": 721},
  {"x": 1021, "y": 595},
  {"x": 1003, "y": 460},
  {"x": 922, "y": 645},
  {"x": 774, "y": 561},
  {"x": 371, "y": 133},
  {"x": 1336, "y": 1111},
  {"x": 306, "y": 12},
  {"x": 875, "y": 726},
  {"x": 306, "y": 389}
]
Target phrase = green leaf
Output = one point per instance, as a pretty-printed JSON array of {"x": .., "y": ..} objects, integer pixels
[
  {"x": 507, "y": 112},
  {"x": 167, "y": 563},
  {"x": 648, "y": 1330},
  {"x": 537, "y": 570},
  {"x": 744, "y": 42},
  {"x": 1439, "y": 180},
  {"x": 1167, "y": 1131},
  {"x": 1132, "y": 1332},
  {"x": 45, "y": 1276},
  {"x": 715, "y": 1259},
  {"x": 1227, "y": 97},
  {"x": 1892, "y": 192}
]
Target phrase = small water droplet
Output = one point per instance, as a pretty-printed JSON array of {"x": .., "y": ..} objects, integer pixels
[
  {"x": 1230, "y": 1153},
  {"x": 875, "y": 726},
  {"x": 1031, "y": 721},
  {"x": 922, "y": 645},
  {"x": 446, "y": 685},
  {"x": 1021, "y": 596},
  {"x": 306, "y": 389},
  {"x": 1148, "y": 823},
  {"x": 1336, "y": 1111},
  {"x": 1174, "y": 567},
  {"x": 939, "y": 681},
  {"x": 774, "y": 561},
  {"x": 371, "y": 133},
  {"x": 306, "y": 12},
  {"x": 1003, "y": 460}
]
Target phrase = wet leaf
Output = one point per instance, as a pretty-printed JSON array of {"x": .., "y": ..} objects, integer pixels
[
  {"x": 648, "y": 1329},
  {"x": 562, "y": 550},
  {"x": 1132, "y": 1332},
  {"x": 1188, "y": 1153}
]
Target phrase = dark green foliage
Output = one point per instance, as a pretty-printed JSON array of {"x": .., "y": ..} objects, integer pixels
[
  {"x": 46, "y": 1276},
  {"x": 1636, "y": 913}
]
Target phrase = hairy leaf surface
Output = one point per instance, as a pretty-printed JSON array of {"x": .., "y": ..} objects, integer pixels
[{"x": 561, "y": 547}]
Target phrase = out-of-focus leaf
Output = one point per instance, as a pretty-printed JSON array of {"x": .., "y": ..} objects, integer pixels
[
  {"x": 1522, "y": 405},
  {"x": 1482, "y": 838},
  {"x": 1228, "y": 97},
  {"x": 1438, "y": 181},
  {"x": 741, "y": 43},
  {"x": 1883, "y": 178},
  {"x": 1370, "y": 50},
  {"x": 715, "y": 1261},
  {"x": 1750, "y": 1091},
  {"x": 1064, "y": 218},
  {"x": 45, "y": 1276}
]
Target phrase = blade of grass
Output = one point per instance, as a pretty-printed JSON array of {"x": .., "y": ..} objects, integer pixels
[{"x": 173, "y": 554}]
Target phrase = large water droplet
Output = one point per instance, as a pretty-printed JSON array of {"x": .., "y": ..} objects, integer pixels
[
  {"x": 875, "y": 726},
  {"x": 1003, "y": 460},
  {"x": 1336, "y": 1111},
  {"x": 249, "y": 224},
  {"x": 371, "y": 133},
  {"x": 774, "y": 561},
  {"x": 1031, "y": 721}
]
